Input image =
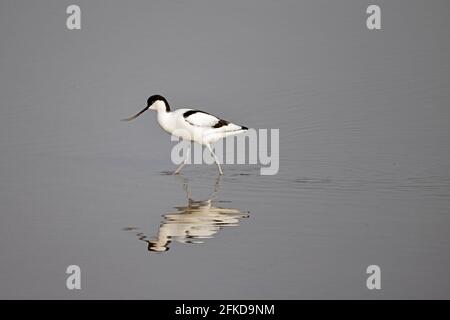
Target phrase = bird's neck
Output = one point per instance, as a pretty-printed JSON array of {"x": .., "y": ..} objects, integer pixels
[
  {"x": 161, "y": 106},
  {"x": 165, "y": 120},
  {"x": 162, "y": 114}
]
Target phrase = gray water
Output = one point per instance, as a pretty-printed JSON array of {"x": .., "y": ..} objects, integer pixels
[{"x": 364, "y": 150}]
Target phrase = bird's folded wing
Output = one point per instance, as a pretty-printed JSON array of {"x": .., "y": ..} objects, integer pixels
[{"x": 201, "y": 119}]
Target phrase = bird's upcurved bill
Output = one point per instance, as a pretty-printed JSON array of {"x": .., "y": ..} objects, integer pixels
[{"x": 136, "y": 115}]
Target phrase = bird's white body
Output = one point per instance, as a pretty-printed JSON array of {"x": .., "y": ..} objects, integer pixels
[
  {"x": 197, "y": 127},
  {"x": 191, "y": 125}
]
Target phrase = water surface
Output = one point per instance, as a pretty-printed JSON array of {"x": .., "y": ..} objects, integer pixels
[{"x": 364, "y": 150}]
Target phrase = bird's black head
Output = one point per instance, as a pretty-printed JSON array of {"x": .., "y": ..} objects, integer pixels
[
  {"x": 155, "y": 102},
  {"x": 157, "y": 97}
]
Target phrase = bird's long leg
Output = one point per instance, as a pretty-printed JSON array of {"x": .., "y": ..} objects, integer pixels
[
  {"x": 215, "y": 158},
  {"x": 177, "y": 171}
]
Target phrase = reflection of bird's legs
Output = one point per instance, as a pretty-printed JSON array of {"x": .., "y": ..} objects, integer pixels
[
  {"x": 216, "y": 187},
  {"x": 177, "y": 171},
  {"x": 185, "y": 184}
]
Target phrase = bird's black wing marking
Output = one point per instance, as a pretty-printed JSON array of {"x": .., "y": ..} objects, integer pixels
[
  {"x": 191, "y": 112},
  {"x": 203, "y": 119},
  {"x": 221, "y": 123}
]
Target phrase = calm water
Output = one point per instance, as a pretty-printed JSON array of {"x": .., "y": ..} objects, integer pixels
[{"x": 364, "y": 150}]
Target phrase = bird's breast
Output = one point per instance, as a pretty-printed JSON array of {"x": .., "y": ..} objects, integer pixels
[{"x": 166, "y": 122}]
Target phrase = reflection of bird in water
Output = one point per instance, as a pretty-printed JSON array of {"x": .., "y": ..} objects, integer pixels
[{"x": 193, "y": 223}]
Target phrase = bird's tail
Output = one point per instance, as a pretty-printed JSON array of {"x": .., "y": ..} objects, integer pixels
[
  {"x": 235, "y": 132},
  {"x": 231, "y": 127},
  {"x": 213, "y": 137}
]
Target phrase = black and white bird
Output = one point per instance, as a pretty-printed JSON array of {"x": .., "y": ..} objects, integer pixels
[{"x": 191, "y": 125}]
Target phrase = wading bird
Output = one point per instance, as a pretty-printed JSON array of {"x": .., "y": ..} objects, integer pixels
[{"x": 191, "y": 125}]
